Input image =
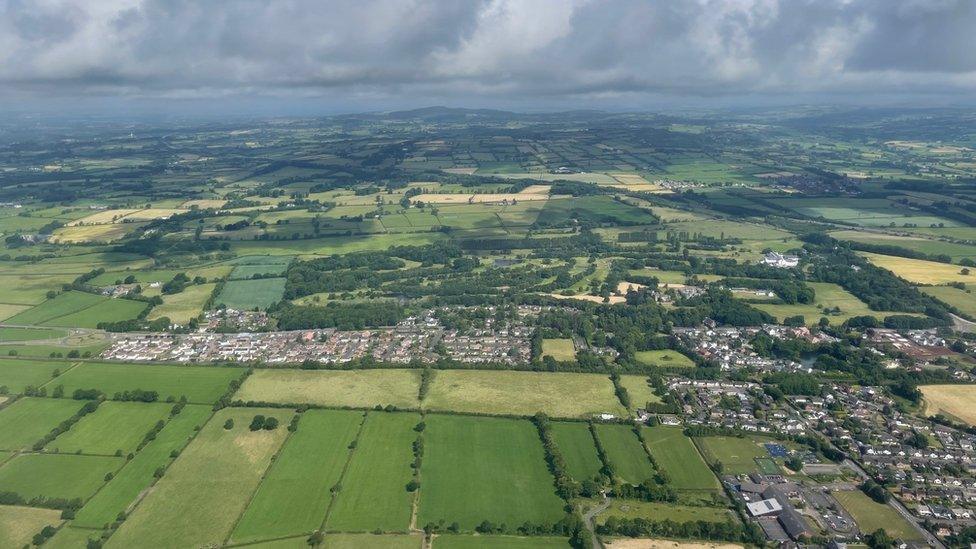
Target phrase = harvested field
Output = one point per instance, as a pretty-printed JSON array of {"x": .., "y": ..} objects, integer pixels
[{"x": 954, "y": 401}]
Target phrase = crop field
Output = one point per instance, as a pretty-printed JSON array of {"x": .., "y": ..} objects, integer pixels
[
  {"x": 920, "y": 271},
  {"x": 138, "y": 473},
  {"x": 351, "y": 388},
  {"x": 827, "y": 296},
  {"x": 56, "y": 475},
  {"x": 954, "y": 401},
  {"x": 625, "y": 452},
  {"x": 17, "y": 374},
  {"x": 871, "y": 515},
  {"x": 576, "y": 445},
  {"x": 250, "y": 294},
  {"x": 478, "y": 469},
  {"x": 205, "y": 490},
  {"x": 25, "y": 421},
  {"x": 454, "y": 541},
  {"x": 964, "y": 300},
  {"x": 523, "y": 393},
  {"x": 183, "y": 306},
  {"x": 737, "y": 455},
  {"x": 286, "y": 503},
  {"x": 677, "y": 456},
  {"x": 664, "y": 358},
  {"x": 200, "y": 384},
  {"x": 19, "y": 524},
  {"x": 374, "y": 494},
  {"x": 114, "y": 426},
  {"x": 561, "y": 350}
]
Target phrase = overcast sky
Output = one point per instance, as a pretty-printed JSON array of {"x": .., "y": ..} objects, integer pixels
[{"x": 525, "y": 54}]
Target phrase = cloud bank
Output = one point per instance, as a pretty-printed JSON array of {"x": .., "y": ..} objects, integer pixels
[{"x": 525, "y": 51}]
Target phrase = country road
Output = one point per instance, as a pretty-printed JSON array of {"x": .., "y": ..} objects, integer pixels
[{"x": 591, "y": 524}]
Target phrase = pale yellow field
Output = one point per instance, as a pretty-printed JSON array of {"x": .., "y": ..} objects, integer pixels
[
  {"x": 105, "y": 232},
  {"x": 536, "y": 189},
  {"x": 920, "y": 271},
  {"x": 8, "y": 310},
  {"x": 958, "y": 401},
  {"x": 203, "y": 203},
  {"x": 594, "y": 298},
  {"x": 103, "y": 216},
  {"x": 153, "y": 213},
  {"x": 478, "y": 198},
  {"x": 19, "y": 524}
]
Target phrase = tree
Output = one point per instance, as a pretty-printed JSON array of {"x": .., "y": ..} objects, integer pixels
[
  {"x": 229, "y": 424},
  {"x": 794, "y": 463},
  {"x": 257, "y": 423}
]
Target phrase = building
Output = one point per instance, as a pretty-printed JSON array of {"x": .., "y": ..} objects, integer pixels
[{"x": 774, "y": 259}]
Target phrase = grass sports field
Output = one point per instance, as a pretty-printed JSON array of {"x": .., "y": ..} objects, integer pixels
[
  {"x": 374, "y": 494},
  {"x": 478, "y": 468},
  {"x": 200, "y": 384},
  {"x": 523, "y": 393},
  {"x": 114, "y": 426},
  {"x": 955, "y": 401},
  {"x": 677, "y": 456},
  {"x": 627, "y": 455},
  {"x": 249, "y": 294},
  {"x": 286, "y": 503},
  {"x": 562, "y": 350},
  {"x": 56, "y": 475},
  {"x": 664, "y": 358},
  {"x": 575, "y": 443},
  {"x": 353, "y": 388},
  {"x": 17, "y": 374},
  {"x": 737, "y": 455},
  {"x": 28, "y": 419},
  {"x": 203, "y": 493},
  {"x": 139, "y": 472},
  {"x": 871, "y": 515},
  {"x": 19, "y": 524},
  {"x": 920, "y": 271}
]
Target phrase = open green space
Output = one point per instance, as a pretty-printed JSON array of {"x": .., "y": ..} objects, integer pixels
[
  {"x": 205, "y": 490},
  {"x": 296, "y": 492},
  {"x": 343, "y": 388},
  {"x": 78, "y": 310},
  {"x": 113, "y": 427},
  {"x": 871, "y": 515},
  {"x": 19, "y": 524},
  {"x": 381, "y": 541},
  {"x": 677, "y": 456},
  {"x": 374, "y": 493},
  {"x": 828, "y": 296},
  {"x": 639, "y": 389},
  {"x": 575, "y": 443},
  {"x": 478, "y": 469},
  {"x": 27, "y": 420},
  {"x": 665, "y": 358},
  {"x": 653, "y": 511},
  {"x": 457, "y": 541},
  {"x": 737, "y": 455},
  {"x": 200, "y": 384},
  {"x": 18, "y": 374},
  {"x": 625, "y": 452},
  {"x": 56, "y": 475},
  {"x": 183, "y": 306},
  {"x": 251, "y": 294},
  {"x": 561, "y": 350},
  {"x": 71, "y": 538},
  {"x": 964, "y": 300},
  {"x": 8, "y": 334}
]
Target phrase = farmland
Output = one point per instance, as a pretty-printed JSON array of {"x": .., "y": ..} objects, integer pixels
[
  {"x": 919, "y": 271},
  {"x": 955, "y": 401},
  {"x": 198, "y": 384},
  {"x": 677, "y": 456},
  {"x": 56, "y": 475},
  {"x": 871, "y": 515},
  {"x": 28, "y": 419},
  {"x": 114, "y": 427},
  {"x": 737, "y": 455},
  {"x": 18, "y": 374},
  {"x": 248, "y": 294},
  {"x": 559, "y": 349},
  {"x": 575, "y": 443},
  {"x": 361, "y": 389},
  {"x": 627, "y": 457}
]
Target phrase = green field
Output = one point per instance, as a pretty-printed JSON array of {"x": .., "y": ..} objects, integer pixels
[
  {"x": 625, "y": 452},
  {"x": 183, "y": 306},
  {"x": 71, "y": 538},
  {"x": 963, "y": 300},
  {"x": 665, "y": 358},
  {"x": 677, "y": 456},
  {"x": 639, "y": 390},
  {"x": 78, "y": 310},
  {"x": 924, "y": 245},
  {"x": 250, "y": 294},
  {"x": 114, "y": 426},
  {"x": 575, "y": 443},
  {"x": 28, "y": 419},
  {"x": 64, "y": 304},
  {"x": 568, "y": 395},
  {"x": 56, "y": 475},
  {"x": 498, "y": 542},
  {"x": 19, "y": 524},
  {"x": 17, "y": 374},
  {"x": 561, "y": 350},
  {"x": 871, "y": 515},
  {"x": 828, "y": 296},
  {"x": 200, "y": 384},
  {"x": 352, "y": 388},
  {"x": 137, "y": 474},
  {"x": 8, "y": 334},
  {"x": 288, "y": 502},
  {"x": 205, "y": 490},
  {"x": 374, "y": 494},
  {"x": 478, "y": 469},
  {"x": 663, "y": 511},
  {"x": 737, "y": 455}
]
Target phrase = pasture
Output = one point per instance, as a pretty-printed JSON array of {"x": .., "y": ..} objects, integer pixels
[
  {"x": 8, "y": 334},
  {"x": 639, "y": 390},
  {"x": 205, "y": 490},
  {"x": 27, "y": 420},
  {"x": 200, "y": 384},
  {"x": 575, "y": 443},
  {"x": 953, "y": 401},
  {"x": 455, "y": 541},
  {"x": 17, "y": 374},
  {"x": 374, "y": 494},
  {"x": 561, "y": 394},
  {"x": 871, "y": 515},
  {"x": 63, "y": 304},
  {"x": 920, "y": 271},
  {"x": 664, "y": 358},
  {"x": 382, "y": 541},
  {"x": 138, "y": 472},
  {"x": 56, "y": 475},
  {"x": 478, "y": 469},
  {"x": 183, "y": 306},
  {"x": 114, "y": 426},
  {"x": 918, "y": 244},
  {"x": 828, "y": 296},
  {"x": 625, "y": 452},
  {"x": 737, "y": 455},
  {"x": 345, "y": 388},
  {"x": 258, "y": 293},
  {"x": 964, "y": 300},
  {"x": 631, "y": 509},
  {"x": 676, "y": 455},
  {"x": 561, "y": 350},
  {"x": 286, "y": 503},
  {"x": 19, "y": 524}
]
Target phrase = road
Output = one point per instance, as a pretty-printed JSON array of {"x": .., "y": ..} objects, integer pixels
[{"x": 588, "y": 520}]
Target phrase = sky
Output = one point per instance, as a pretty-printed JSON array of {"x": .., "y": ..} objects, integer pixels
[{"x": 530, "y": 55}]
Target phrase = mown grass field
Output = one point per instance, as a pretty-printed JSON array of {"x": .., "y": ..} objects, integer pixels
[
  {"x": 114, "y": 426},
  {"x": 575, "y": 443},
  {"x": 25, "y": 421},
  {"x": 627, "y": 456},
  {"x": 523, "y": 393},
  {"x": 963, "y": 300},
  {"x": 138, "y": 473},
  {"x": 78, "y": 310},
  {"x": 56, "y": 475},
  {"x": 71, "y": 538},
  {"x": 677, "y": 456},
  {"x": 205, "y": 490},
  {"x": 249, "y": 294},
  {"x": 383, "y": 541},
  {"x": 920, "y": 271},
  {"x": 353, "y": 388},
  {"x": 662, "y": 511},
  {"x": 374, "y": 494},
  {"x": 19, "y": 524},
  {"x": 200, "y": 384},
  {"x": 955, "y": 401},
  {"x": 17, "y": 374},
  {"x": 737, "y": 455},
  {"x": 664, "y": 358},
  {"x": 183, "y": 306},
  {"x": 63, "y": 304},
  {"x": 561, "y": 350},
  {"x": 498, "y": 542},
  {"x": 918, "y": 244},
  {"x": 296, "y": 492},
  {"x": 827, "y": 296},
  {"x": 639, "y": 390},
  {"x": 478, "y": 468},
  {"x": 29, "y": 334},
  {"x": 871, "y": 516}
]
